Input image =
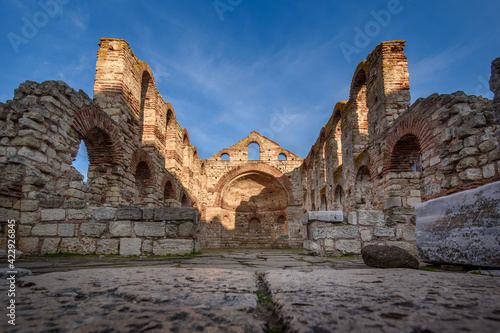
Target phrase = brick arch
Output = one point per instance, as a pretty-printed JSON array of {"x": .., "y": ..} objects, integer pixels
[
  {"x": 90, "y": 118},
  {"x": 254, "y": 167},
  {"x": 411, "y": 125},
  {"x": 139, "y": 156},
  {"x": 185, "y": 137},
  {"x": 169, "y": 178}
]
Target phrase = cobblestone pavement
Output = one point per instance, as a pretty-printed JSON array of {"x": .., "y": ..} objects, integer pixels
[{"x": 246, "y": 291}]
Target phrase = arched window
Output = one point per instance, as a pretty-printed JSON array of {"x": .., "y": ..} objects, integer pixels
[
  {"x": 323, "y": 203},
  {"x": 142, "y": 176},
  {"x": 184, "y": 201},
  {"x": 254, "y": 151},
  {"x": 254, "y": 226},
  {"x": 224, "y": 157},
  {"x": 168, "y": 191},
  {"x": 185, "y": 140},
  {"x": 339, "y": 198},
  {"x": 281, "y": 157},
  {"x": 406, "y": 155},
  {"x": 364, "y": 194}
]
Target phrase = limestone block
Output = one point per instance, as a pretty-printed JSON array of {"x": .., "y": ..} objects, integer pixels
[
  {"x": 44, "y": 230},
  {"x": 147, "y": 213},
  {"x": 147, "y": 246},
  {"x": 29, "y": 205},
  {"x": 366, "y": 235},
  {"x": 53, "y": 215},
  {"x": 187, "y": 229},
  {"x": 74, "y": 204},
  {"x": 83, "y": 245},
  {"x": 462, "y": 228},
  {"x": 412, "y": 202},
  {"x": 120, "y": 229},
  {"x": 50, "y": 245},
  {"x": 30, "y": 218},
  {"x": 149, "y": 229},
  {"x": 489, "y": 171},
  {"x": 383, "y": 232},
  {"x": 32, "y": 155},
  {"x": 105, "y": 213},
  {"x": 51, "y": 203},
  {"x": 9, "y": 214},
  {"x": 66, "y": 230},
  {"x": 92, "y": 229},
  {"x": 352, "y": 218},
  {"x": 24, "y": 230},
  {"x": 328, "y": 245},
  {"x": 370, "y": 217},
  {"x": 348, "y": 246},
  {"x": 130, "y": 246},
  {"x": 173, "y": 246},
  {"x": 29, "y": 245},
  {"x": 323, "y": 216},
  {"x": 408, "y": 232},
  {"x": 175, "y": 214},
  {"x": 107, "y": 246},
  {"x": 334, "y": 232},
  {"x": 129, "y": 213},
  {"x": 392, "y": 202},
  {"x": 78, "y": 214},
  {"x": 311, "y": 246},
  {"x": 172, "y": 230}
]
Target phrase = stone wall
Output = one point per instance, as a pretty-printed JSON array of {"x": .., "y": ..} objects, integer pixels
[
  {"x": 57, "y": 226},
  {"x": 379, "y": 153}
]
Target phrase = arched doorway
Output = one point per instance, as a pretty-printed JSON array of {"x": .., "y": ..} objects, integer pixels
[{"x": 254, "y": 212}]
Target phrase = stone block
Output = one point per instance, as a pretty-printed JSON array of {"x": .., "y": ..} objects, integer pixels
[
  {"x": 311, "y": 247},
  {"x": 107, "y": 246},
  {"x": 147, "y": 247},
  {"x": 93, "y": 229},
  {"x": 30, "y": 218},
  {"x": 408, "y": 232},
  {"x": 334, "y": 232},
  {"x": 29, "y": 205},
  {"x": 392, "y": 202},
  {"x": 53, "y": 215},
  {"x": 105, "y": 213},
  {"x": 29, "y": 245},
  {"x": 83, "y": 245},
  {"x": 348, "y": 247},
  {"x": 172, "y": 230},
  {"x": 66, "y": 230},
  {"x": 383, "y": 232},
  {"x": 23, "y": 230},
  {"x": 129, "y": 214},
  {"x": 74, "y": 204},
  {"x": 173, "y": 246},
  {"x": 462, "y": 228},
  {"x": 328, "y": 245},
  {"x": 187, "y": 229},
  {"x": 149, "y": 229},
  {"x": 489, "y": 171},
  {"x": 9, "y": 214},
  {"x": 148, "y": 213},
  {"x": 175, "y": 214},
  {"x": 44, "y": 230},
  {"x": 51, "y": 203},
  {"x": 366, "y": 235},
  {"x": 50, "y": 245},
  {"x": 120, "y": 229},
  {"x": 412, "y": 202},
  {"x": 130, "y": 246},
  {"x": 323, "y": 216},
  {"x": 352, "y": 218},
  {"x": 78, "y": 214},
  {"x": 371, "y": 217}
]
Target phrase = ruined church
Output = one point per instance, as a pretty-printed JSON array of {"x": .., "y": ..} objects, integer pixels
[{"x": 375, "y": 162}]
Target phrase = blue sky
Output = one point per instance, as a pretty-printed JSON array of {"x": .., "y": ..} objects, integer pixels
[{"x": 229, "y": 67}]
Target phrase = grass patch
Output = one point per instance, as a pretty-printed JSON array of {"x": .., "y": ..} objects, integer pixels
[{"x": 427, "y": 269}]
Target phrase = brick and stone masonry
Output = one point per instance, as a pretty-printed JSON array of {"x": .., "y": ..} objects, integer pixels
[{"x": 375, "y": 160}]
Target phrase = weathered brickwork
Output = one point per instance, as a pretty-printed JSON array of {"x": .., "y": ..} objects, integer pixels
[
  {"x": 374, "y": 161},
  {"x": 407, "y": 154}
]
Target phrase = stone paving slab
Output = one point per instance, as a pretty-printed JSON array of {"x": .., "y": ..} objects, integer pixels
[
  {"x": 137, "y": 300},
  {"x": 385, "y": 300}
]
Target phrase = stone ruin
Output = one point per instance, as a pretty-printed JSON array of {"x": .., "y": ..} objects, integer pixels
[{"x": 149, "y": 193}]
